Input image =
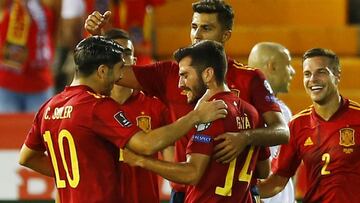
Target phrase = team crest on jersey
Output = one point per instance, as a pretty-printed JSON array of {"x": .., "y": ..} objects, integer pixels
[
  {"x": 236, "y": 92},
  {"x": 120, "y": 118},
  {"x": 144, "y": 123},
  {"x": 202, "y": 127},
  {"x": 347, "y": 137},
  {"x": 202, "y": 138}
]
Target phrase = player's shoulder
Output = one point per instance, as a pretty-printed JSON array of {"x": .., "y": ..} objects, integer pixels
[
  {"x": 305, "y": 113},
  {"x": 233, "y": 64},
  {"x": 353, "y": 105},
  {"x": 237, "y": 69}
]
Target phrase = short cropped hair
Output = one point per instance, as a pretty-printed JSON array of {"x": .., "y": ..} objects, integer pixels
[
  {"x": 334, "y": 59},
  {"x": 204, "y": 54},
  {"x": 94, "y": 51},
  {"x": 224, "y": 11},
  {"x": 117, "y": 34}
]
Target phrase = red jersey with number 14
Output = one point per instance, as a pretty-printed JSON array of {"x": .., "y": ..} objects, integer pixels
[
  {"x": 330, "y": 151},
  {"x": 161, "y": 80},
  {"x": 82, "y": 133},
  {"x": 223, "y": 183}
]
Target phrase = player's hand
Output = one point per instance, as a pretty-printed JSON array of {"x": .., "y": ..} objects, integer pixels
[
  {"x": 231, "y": 146},
  {"x": 208, "y": 111},
  {"x": 96, "y": 23},
  {"x": 132, "y": 158}
]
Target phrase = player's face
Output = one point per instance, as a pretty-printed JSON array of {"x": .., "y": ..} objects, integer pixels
[
  {"x": 112, "y": 76},
  {"x": 205, "y": 26},
  {"x": 284, "y": 73},
  {"x": 189, "y": 81},
  {"x": 319, "y": 80},
  {"x": 128, "y": 51}
]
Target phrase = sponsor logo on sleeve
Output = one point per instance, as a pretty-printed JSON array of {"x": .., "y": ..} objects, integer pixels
[
  {"x": 202, "y": 126},
  {"x": 120, "y": 117},
  {"x": 202, "y": 138}
]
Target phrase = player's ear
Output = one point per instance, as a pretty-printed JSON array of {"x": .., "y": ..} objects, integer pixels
[
  {"x": 226, "y": 36},
  {"x": 208, "y": 74},
  {"x": 102, "y": 71}
]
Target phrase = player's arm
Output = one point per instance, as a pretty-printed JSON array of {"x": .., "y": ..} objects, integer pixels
[
  {"x": 168, "y": 154},
  {"x": 272, "y": 185},
  {"x": 276, "y": 132},
  {"x": 263, "y": 169},
  {"x": 189, "y": 172},
  {"x": 35, "y": 160},
  {"x": 158, "y": 139}
]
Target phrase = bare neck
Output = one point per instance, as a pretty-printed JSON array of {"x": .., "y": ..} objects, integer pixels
[
  {"x": 214, "y": 89},
  {"x": 328, "y": 109}
]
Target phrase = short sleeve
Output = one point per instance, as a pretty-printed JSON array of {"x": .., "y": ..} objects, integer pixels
[
  {"x": 262, "y": 95},
  {"x": 154, "y": 77},
  {"x": 112, "y": 123}
]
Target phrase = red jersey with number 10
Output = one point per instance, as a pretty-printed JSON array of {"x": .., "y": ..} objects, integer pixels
[
  {"x": 82, "y": 133},
  {"x": 330, "y": 151}
]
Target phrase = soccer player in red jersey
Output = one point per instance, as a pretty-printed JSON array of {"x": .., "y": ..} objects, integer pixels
[
  {"x": 212, "y": 20},
  {"x": 137, "y": 184},
  {"x": 323, "y": 136},
  {"x": 203, "y": 66},
  {"x": 82, "y": 129}
]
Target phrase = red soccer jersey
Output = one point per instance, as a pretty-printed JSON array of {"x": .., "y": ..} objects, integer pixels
[
  {"x": 161, "y": 80},
  {"x": 82, "y": 131},
  {"x": 330, "y": 151},
  {"x": 225, "y": 182},
  {"x": 137, "y": 184}
]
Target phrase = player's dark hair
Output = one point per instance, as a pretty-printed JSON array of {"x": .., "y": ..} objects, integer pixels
[
  {"x": 204, "y": 54},
  {"x": 94, "y": 51},
  {"x": 334, "y": 59},
  {"x": 225, "y": 12}
]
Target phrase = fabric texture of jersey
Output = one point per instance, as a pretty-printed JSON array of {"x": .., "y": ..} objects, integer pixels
[
  {"x": 224, "y": 182},
  {"x": 161, "y": 80},
  {"x": 330, "y": 152},
  {"x": 82, "y": 133},
  {"x": 137, "y": 184}
]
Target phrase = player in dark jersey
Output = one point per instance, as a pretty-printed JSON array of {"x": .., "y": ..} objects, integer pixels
[
  {"x": 212, "y": 20},
  {"x": 82, "y": 128},
  {"x": 323, "y": 136},
  {"x": 202, "y": 69}
]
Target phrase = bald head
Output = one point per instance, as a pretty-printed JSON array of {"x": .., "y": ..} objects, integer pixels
[{"x": 273, "y": 60}]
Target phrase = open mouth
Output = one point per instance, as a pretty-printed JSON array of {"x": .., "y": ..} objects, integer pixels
[{"x": 316, "y": 88}]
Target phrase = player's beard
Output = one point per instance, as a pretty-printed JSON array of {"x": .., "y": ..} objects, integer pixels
[{"x": 197, "y": 91}]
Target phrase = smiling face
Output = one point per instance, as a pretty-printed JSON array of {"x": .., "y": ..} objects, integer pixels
[
  {"x": 190, "y": 81},
  {"x": 319, "y": 80},
  {"x": 205, "y": 26}
]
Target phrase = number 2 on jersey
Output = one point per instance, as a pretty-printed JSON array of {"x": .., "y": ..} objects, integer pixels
[
  {"x": 325, "y": 157},
  {"x": 243, "y": 176},
  {"x": 73, "y": 181}
]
